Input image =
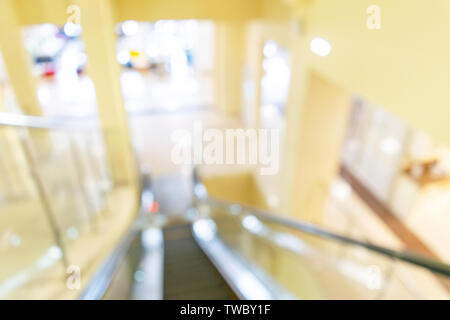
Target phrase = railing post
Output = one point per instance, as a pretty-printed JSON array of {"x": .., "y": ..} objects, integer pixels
[
  {"x": 96, "y": 166},
  {"x": 80, "y": 173},
  {"x": 43, "y": 197}
]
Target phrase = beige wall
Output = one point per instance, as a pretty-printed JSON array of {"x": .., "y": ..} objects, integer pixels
[
  {"x": 17, "y": 60},
  {"x": 54, "y": 11},
  {"x": 187, "y": 9},
  {"x": 238, "y": 188},
  {"x": 404, "y": 66},
  {"x": 42, "y": 11},
  {"x": 315, "y": 136}
]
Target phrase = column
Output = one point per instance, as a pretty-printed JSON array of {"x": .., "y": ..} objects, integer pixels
[
  {"x": 98, "y": 33},
  {"x": 229, "y": 59},
  {"x": 316, "y": 115},
  {"x": 15, "y": 180},
  {"x": 17, "y": 60},
  {"x": 253, "y": 73}
]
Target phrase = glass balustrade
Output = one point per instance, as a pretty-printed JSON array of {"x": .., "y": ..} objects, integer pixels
[
  {"x": 54, "y": 186},
  {"x": 310, "y": 266}
]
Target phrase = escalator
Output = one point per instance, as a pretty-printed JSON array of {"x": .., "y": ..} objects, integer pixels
[
  {"x": 194, "y": 247},
  {"x": 188, "y": 273},
  {"x": 222, "y": 250}
]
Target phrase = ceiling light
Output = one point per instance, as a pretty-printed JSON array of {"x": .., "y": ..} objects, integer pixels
[{"x": 320, "y": 46}]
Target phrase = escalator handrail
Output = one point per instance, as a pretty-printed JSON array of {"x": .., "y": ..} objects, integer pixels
[
  {"x": 100, "y": 282},
  {"x": 200, "y": 194}
]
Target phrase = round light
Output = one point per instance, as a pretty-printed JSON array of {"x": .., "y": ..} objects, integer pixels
[
  {"x": 72, "y": 29},
  {"x": 320, "y": 46},
  {"x": 390, "y": 146},
  {"x": 340, "y": 190},
  {"x": 252, "y": 224},
  {"x": 130, "y": 27},
  {"x": 139, "y": 276},
  {"x": 15, "y": 240},
  {"x": 72, "y": 233},
  {"x": 54, "y": 252},
  {"x": 123, "y": 57}
]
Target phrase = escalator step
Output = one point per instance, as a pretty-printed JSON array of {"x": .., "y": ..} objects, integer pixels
[{"x": 188, "y": 273}]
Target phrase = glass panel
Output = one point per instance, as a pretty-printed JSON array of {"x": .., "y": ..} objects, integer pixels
[
  {"x": 54, "y": 186},
  {"x": 27, "y": 243},
  {"x": 310, "y": 267},
  {"x": 54, "y": 157}
]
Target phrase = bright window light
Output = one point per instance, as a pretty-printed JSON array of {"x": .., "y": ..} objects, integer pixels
[
  {"x": 270, "y": 49},
  {"x": 320, "y": 46},
  {"x": 130, "y": 27}
]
